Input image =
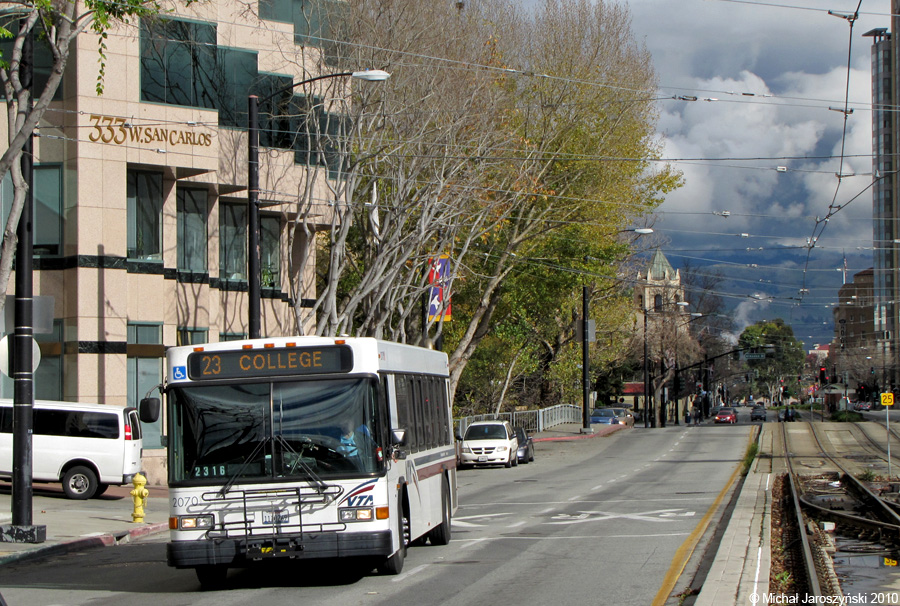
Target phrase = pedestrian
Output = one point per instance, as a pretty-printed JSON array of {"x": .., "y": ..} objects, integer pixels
[{"x": 695, "y": 411}]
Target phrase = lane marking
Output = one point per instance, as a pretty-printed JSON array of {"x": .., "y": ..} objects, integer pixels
[
  {"x": 471, "y": 542},
  {"x": 699, "y": 497},
  {"x": 658, "y": 516},
  {"x": 517, "y": 524},
  {"x": 406, "y": 575}
]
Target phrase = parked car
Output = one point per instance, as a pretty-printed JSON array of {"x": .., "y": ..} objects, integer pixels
[
  {"x": 758, "y": 413},
  {"x": 625, "y": 416},
  {"x": 726, "y": 415},
  {"x": 526, "y": 445},
  {"x": 86, "y": 447},
  {"x": 489, "y": 443},
  {"x": 606, "y": 416}
]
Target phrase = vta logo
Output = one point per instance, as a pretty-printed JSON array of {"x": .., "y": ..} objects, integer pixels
[{"x": 363, "y": 500}]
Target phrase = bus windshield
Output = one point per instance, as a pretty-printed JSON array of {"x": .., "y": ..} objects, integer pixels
[{"x": 274, "y": 431}]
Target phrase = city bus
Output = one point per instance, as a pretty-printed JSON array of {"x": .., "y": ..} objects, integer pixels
[{"x": 305, "y": 447}]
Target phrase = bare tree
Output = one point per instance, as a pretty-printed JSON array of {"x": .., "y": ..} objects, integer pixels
[{"x": 483, "y": 145}]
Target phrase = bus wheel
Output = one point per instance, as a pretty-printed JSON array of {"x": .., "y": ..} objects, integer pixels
[
  {"x": 441, "y": 534},
  {"x": 394, "y": 564},
  {"x": 79, "y": 483},
  {"x": 211, "y": 576}
]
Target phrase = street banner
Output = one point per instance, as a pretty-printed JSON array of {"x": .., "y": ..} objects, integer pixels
[{"x": 439, "y": 278}]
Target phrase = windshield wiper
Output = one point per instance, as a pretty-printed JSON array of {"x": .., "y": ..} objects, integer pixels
[
  {"x": 320, "y": 485},
  {"x": 241, "y": 469}
]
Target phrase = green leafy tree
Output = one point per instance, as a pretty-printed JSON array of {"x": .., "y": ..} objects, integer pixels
[{"x": 784, "y": 354}]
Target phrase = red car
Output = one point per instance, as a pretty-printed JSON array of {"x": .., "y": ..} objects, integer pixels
[{"x": 726, "y": 415}]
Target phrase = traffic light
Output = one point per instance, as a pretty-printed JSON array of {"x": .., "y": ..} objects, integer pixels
[
  {"x": 822, "y": 377},
  {"x": 871, "y": 370}
]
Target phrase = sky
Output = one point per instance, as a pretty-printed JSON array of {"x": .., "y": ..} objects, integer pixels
[{"x": 762, "y": 147}]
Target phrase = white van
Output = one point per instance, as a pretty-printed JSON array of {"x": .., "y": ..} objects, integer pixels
[{"x": 87, "y": 447}]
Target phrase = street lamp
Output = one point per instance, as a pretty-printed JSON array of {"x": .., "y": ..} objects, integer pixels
[{"x": 253, "y": 252}]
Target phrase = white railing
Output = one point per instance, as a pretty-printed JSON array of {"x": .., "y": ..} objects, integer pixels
[{"x": 532, "y": 420}]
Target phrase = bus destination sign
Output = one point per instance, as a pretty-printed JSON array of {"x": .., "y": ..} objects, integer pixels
[{"x": 272, "y": 362}]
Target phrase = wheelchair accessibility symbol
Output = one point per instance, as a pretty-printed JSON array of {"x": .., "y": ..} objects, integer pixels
[{"x": 179, "y": 373}]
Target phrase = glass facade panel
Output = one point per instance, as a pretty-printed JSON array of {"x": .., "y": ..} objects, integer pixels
[
  {"x": 232, "y": 242},
  {"x": 193, "y": 252},
  {"x": 145, "y": 202}
]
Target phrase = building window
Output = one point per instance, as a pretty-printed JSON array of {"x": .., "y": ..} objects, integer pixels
[
  {"x": 232, "y": 336},
  {"x": 48, "y": 378},
  {"x": 182, "y": 64},
  {"x": 657, "y": 302},
  {"x": 192, "y": 234},
  {"x": 145, "y": 371},
  {"x": 48, "y": 201},
  {"x": 232, "y": 242},
  {"x": 192, "y": 336},
  {"x": 145, "y": 203},
  {"x": 318, "y": 135},
  {"x": 48, "y": 204},
  {"x": 270, "y": 251},
  {"x": 178, "y": 62}
]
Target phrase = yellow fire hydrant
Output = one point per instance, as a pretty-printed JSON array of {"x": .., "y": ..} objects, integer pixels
[{"x": 139, "y": 495}]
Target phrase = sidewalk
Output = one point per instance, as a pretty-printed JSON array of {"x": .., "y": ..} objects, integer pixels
[
  {"x": 77, "y": 525},
  {"x": 572, "y": 431}
]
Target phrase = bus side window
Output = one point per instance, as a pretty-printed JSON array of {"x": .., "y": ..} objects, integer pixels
[
  {"x": 6, "y": 419},
  {"x": 404, "y": 408}
]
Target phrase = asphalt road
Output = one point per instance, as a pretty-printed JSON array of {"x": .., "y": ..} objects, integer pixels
[{"x": 590, "y": 521}]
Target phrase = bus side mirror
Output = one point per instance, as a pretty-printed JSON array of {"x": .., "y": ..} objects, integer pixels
[
  {"x": 149, "y": 410},
  {"x": 399, "y": 436}
]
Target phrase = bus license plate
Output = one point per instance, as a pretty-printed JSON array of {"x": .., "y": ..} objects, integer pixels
[
  {"x": 482, "y": 459},
  {"x": 278, "y": 516}
]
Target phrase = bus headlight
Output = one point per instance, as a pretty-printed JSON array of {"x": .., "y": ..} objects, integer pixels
[
  {"x": 361, "y": 514},
  {"x": 195, "y": 522}
]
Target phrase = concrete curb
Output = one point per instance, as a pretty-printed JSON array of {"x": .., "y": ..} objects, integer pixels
[{"x": 83, "y": 543}]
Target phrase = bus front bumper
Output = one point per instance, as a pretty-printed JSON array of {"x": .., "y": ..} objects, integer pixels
[{"x": 189, "y": 554}]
